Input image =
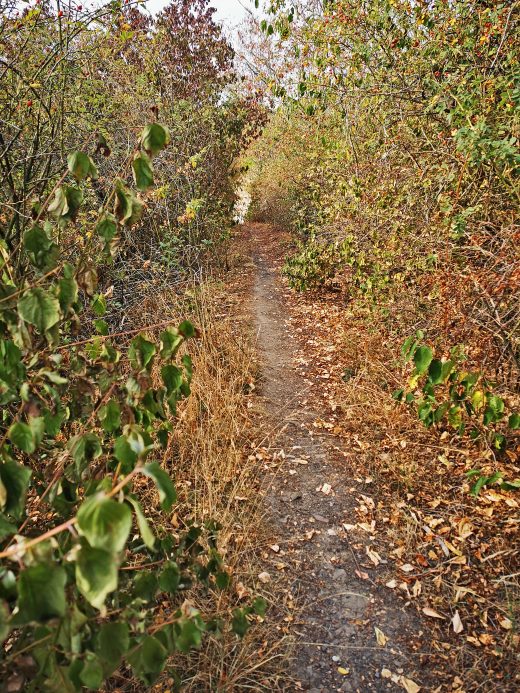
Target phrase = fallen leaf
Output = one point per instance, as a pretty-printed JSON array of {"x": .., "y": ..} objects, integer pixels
[
  {"x": 392, "y": 584},
  {"x": 374, "y": 556},
  {"x": 275, "y": 548},
  {"x": 264, "y": 577},
  {"x": 432, "y": 612},
  {"x": 506, "y": 623},
  {"x": 361, "y": 574},
  {"x": 457, "y": 623},
  {"x": 242, "y": 591},
  {"x": 386, "y": 673},
  {"x": 409, "y": 685},
  {"x": 407, "y": 568},
  {"x": 380, "y": 637},
  {"x": 343, "y": 671}
]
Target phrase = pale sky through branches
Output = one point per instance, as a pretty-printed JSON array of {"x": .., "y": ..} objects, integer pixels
[{"x": 229, "y": 11}]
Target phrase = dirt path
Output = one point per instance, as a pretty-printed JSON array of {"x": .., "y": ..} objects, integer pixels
[{"x": 312, "y": 496}]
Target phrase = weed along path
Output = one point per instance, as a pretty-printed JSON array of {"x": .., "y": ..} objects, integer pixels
[{"x": 350, "y": 633}]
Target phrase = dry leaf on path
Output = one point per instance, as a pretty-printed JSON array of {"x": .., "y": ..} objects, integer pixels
[
  {"x": 457, "y": 623},
  {"x": 409, "y": 685},
  {"x": 432, "y": 612},
  {"x": 374, "y": 556},
  {"x": 264, "y": 577},
  {"x": 380, "y": 637}
]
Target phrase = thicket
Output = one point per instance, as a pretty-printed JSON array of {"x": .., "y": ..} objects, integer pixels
[
  {"x": 117, "y": 141},
  {"x": 395, "y": 160}
]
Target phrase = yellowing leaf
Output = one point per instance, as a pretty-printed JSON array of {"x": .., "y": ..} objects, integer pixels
[{"x": 409, "y": 685}]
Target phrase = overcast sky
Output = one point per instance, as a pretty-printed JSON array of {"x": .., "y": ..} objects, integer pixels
[{"x": 229, "y": 11}]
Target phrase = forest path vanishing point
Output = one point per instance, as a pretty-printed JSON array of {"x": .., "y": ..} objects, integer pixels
[{"x": 311, "y": 495}]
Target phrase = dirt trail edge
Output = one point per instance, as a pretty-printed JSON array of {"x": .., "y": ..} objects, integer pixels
[{"x": 312, "y": 494}]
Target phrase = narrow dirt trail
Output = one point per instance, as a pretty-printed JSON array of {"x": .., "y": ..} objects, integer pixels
[{"x": 312, "y": 494}]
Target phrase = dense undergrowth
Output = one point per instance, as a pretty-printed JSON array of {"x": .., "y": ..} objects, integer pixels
[
  {"x": 394, "y": 158},
  {"x": 118, "y": 138}
]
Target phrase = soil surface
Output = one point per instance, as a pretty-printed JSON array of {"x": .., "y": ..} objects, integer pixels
[{"x": 312, "y": 495}]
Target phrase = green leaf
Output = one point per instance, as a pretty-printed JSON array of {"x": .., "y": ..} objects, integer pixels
[
  {"x": 81, "y": 166},
  {"x": 141, "y": 353},
  {"x": 128, "y": 209},
  {"x": 142, "y": 523},
  {"x": 101, "y": 327},
  {"x": 21, "y": 435},
  {"x": 259, "y": 606},
  {"x": 145, "y": 585},
  {"x": 514, "y": 421},
  {"x": 170, "y": 577},
  {"x": 124, "y": 454},
  {"x": 149, "y": 659},
  {"x": 188, "y": 633},
  {"x": 105, "y": 523},
  {"x": 172, "y": 378},
  {"x": 186, "y": 329},
  {"x": 170, "y": 342},
  {"x": 15, "y": 480},
  {"x": 39, "y": 308},
  {"x": 83, "y": 449},
  {"x": 5, "y": 627},
  {"x": 494, "y": 409},
  {"x": 99, "y": 305},
  {"x": 422, "y": 359},
  {"x": 41, "y": 593},
  {"x": 142, "y": 170},
  {"x": 112, "y": 643},
  {"x": 110, "y": 416},
  {"x": 239, "y": 622},
  {"x": 59, "y": 679},
  {"x": 435, "y": 371},
  {"x": 66, "y": 203},
  {"x": 154, "y": 138},
  {"x": 42, "y": 251},
  {"x": 96, "y": 574},
  {"x": 107, "y": 227},
  {"x": 92, "y": 673},
  {"x": 222, "y": 579},
  {"x": 68, "y": 288},
  {"x": 6, "y": 528},
  {"x": 167, "y": 494}
]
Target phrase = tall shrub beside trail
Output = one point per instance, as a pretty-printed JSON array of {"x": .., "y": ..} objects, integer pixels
[
  {"x": 93, "y": 571},
  {"x": 402, "y": 138}
]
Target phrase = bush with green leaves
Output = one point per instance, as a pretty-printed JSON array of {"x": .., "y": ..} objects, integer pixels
[
  {"x": 315, "y": 263},
  {"x": 86, "y": 433},
  {"x": 445, "y": 394}
]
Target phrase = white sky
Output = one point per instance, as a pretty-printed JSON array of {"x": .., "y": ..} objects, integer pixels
[{"x": 228, "y": 11}]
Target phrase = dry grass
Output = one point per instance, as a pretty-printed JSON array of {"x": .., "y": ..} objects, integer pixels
[{"x": 216, "y": 478}]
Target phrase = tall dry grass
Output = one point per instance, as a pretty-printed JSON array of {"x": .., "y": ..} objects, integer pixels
[{"x": 217, "y": 478}]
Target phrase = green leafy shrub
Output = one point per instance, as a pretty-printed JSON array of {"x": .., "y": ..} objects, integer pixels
[
  {"x": 444, "y": 394},
  {"x": 315, "y": 263},
  {"x": 85, "y": 424}
]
